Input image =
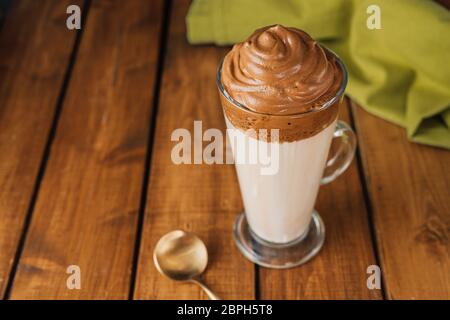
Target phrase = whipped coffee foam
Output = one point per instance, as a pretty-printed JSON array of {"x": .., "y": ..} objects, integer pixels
[
  {"x": 277, "y": 72},
  {"x": 280, "y": 71}
]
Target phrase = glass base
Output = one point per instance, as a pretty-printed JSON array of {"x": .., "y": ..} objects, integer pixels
[{"x": 279, "y": 256}]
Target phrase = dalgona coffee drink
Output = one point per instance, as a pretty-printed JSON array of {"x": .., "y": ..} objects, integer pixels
[{"x": 281, "y": 79}]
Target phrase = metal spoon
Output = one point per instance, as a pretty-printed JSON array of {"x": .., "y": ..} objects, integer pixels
[{"x": 182, "y": 256}]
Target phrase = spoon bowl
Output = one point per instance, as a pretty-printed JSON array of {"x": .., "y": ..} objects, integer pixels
[{"x": 182, "y": 256}]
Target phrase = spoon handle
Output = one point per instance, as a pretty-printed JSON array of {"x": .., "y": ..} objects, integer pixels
[{"x": 211, "y": 295}]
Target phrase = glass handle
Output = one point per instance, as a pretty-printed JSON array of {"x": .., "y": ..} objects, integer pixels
[{"x": 343, "y": 156}]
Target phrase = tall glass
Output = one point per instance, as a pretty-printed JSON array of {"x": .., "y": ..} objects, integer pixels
[{"x": 280, "y": 228}]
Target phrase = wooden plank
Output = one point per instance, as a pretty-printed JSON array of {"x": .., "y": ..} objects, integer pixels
[
  {"x": 200, "y": 198},
  {"x": 339, "y": 270},
  {"x": 409, "y": 188},
  {"x": 31, "y": 76},
  {"x": 87, "y": 209}
]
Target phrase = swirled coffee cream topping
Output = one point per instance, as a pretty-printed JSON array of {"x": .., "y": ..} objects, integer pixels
[{"x": 280, "y": 71}]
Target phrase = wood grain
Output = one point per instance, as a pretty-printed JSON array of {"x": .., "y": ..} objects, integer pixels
[
  {"x": 87, "y": 207},
  {"x": 200, "y": 198},
  {"x": 409, "y": 188},
  {"x": 31, "y": 78},
  {"x": 339, "y": 270}
]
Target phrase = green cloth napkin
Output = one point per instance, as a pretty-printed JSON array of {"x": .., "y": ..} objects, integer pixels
[{"x": 400, "y": 72}]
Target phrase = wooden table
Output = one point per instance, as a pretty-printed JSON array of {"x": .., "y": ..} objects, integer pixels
[{"x": 86, "y": 176}]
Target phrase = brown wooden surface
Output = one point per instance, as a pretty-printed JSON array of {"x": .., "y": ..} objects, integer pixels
[
  {"x": 409, "y": 187},
  {"x": 200, "y": 198},
  {"x": 87, "y": 207},
  {"x": 31, "y": 78},
  {"x": 339, "y": 271},
  {"x": 102, "y": 203}
]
